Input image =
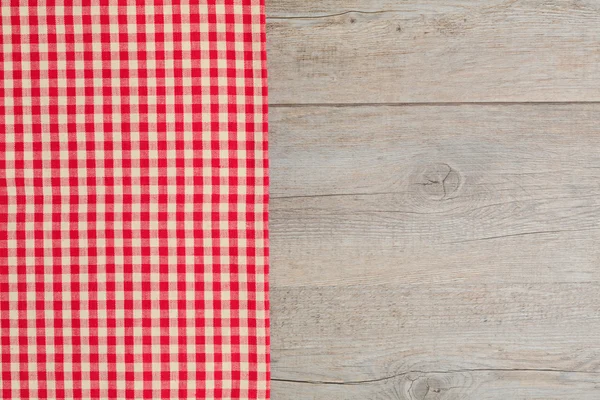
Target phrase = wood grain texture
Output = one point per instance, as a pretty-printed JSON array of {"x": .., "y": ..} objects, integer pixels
[
  {"x": 493, "y": 341},
  {"x": 455, "y": 385},
  {"x": 497, "y": 193},
  {"x": 435, "y": 252},
  {"x": 382, "y": 51}
]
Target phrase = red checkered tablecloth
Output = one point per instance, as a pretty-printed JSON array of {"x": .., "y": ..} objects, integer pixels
[{"x": 133, "y": 200}]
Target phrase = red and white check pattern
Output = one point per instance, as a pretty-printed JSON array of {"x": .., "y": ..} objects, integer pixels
[{"x": 133, "y": 200}]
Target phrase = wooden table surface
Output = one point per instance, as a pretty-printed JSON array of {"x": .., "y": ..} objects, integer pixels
[{"x": 435, "y": 199}]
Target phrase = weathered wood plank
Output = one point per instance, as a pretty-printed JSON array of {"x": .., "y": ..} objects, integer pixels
[
  {"x": 377, "y": 338},
  {"x": 435, "y": 252},
  {"x": 437, "y": 194},
  {"x": 459, "y": 385},
  {"x": 434, "y": 51}
]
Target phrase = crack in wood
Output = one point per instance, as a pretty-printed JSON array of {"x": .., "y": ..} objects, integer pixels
[
  {"x": 521, "y": 234},
  {"x": 334, "y": 15},
  {"x": 434, "y": 104},
  {"x": 433, "y": 372}
]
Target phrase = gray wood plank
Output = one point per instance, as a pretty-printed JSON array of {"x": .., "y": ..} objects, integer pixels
[
  {"x": 433, "y": 51},
  {"x": 435, "y": 252},
  {"x": 491, "y": 341},
  {"x": 451, "y": 191},
  {"x": 453, "y": 385}
]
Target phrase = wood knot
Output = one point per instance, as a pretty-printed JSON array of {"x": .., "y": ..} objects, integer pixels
[
  {"x": 439, "y": 181},
  {"x": 428, "y": 388}
]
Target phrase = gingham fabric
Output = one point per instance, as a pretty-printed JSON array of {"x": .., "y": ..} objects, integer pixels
[{"x": 133, "y": 200}]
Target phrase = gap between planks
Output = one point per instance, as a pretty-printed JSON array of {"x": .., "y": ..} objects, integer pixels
[{"x": 434, "y": 104}]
